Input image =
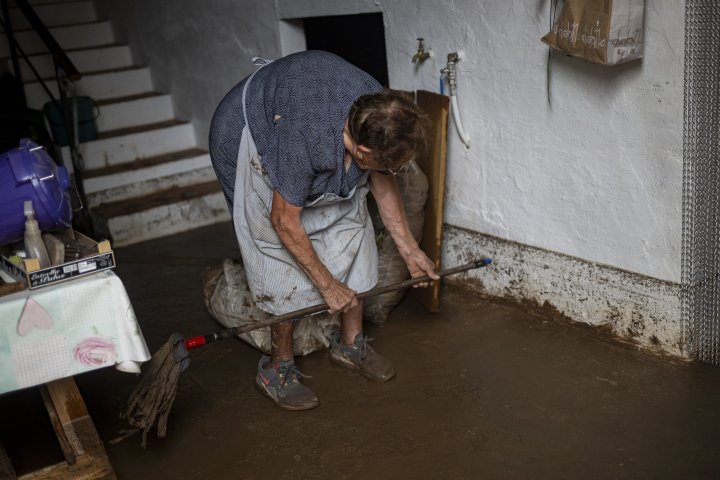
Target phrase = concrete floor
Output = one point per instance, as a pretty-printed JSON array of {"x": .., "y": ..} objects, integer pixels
[{"x": 483, "y": 390}]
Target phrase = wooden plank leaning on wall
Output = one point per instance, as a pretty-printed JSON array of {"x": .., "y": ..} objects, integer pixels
[{"x": 432, "y": 163}]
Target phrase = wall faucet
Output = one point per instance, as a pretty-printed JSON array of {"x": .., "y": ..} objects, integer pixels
[
  {"x": 450, "y": 71},
  {"x": 421, "y": 55}
]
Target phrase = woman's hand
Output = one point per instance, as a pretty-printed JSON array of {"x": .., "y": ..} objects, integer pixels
[
  {"x": 392, "y": 212},
  {"x": 418, "y": 265},
  {"x": 339, "y": 297}
]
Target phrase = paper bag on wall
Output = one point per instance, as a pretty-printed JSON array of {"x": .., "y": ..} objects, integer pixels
[{"x": 607, "y": 32}]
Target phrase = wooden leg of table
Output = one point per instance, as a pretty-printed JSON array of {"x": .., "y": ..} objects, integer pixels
[
  {"x": 6, "y": 469},
  {"x": 77, "y": 434},
  {"x": 65, "y": 446}
]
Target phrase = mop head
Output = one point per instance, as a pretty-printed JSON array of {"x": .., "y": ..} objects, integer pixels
[{"x": 150, "y": 403}]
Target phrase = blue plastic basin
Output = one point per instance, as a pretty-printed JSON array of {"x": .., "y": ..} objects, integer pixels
[{"x": 29, "y": 173}]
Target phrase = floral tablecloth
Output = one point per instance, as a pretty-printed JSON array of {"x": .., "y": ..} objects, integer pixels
[{"x": 69, "y": 328}]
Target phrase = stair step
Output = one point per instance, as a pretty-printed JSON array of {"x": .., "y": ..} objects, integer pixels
[
  {"x": 158, "y": 199},
  {"x": 149, "y": 184},
  {"x": 55, "y": 14},
  {"x": 127, "y": 98},
  {"x": 69, "y": 37},
  {"x": 116, "y": 83},
  {"x": 93, "y": 59},
  {"x": 121, "y": 182},
  {"x": 162, "y": 213},
  {"x": 144, "y": 110},
  {"x": 128, "y": 145},
  {"x": 144, "y": 163},
  {"x": 43, "y": 2},
  {"x": 139, "y": 129}
]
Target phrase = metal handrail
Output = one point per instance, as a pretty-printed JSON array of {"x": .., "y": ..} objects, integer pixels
[
  {"x": 12, "y": 45},
  {"x": 16, "y": 65},
  {"x": 59, "y": 55},
  {"x": 60, "y": 58}
]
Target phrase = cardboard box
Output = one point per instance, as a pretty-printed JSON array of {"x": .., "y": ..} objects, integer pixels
[{"x": 93, "y": 257}]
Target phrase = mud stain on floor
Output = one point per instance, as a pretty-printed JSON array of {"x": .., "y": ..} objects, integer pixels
[{"x": 483, "y": 390}]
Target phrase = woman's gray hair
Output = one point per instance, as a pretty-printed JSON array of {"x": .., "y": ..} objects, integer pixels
[{"x": 390, "y": 124}]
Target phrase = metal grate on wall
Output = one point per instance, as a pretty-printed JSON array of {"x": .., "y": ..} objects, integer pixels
[{"x": 701, "y": 182}]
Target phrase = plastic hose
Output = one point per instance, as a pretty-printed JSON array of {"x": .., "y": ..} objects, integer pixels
[{"x": 458, "y": 124}]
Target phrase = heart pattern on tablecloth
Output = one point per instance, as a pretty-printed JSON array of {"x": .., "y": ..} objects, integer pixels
[{"x": 33, "y": 316}]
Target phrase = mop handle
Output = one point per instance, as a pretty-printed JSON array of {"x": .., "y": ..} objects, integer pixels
[{"x": 201, "y": 340}]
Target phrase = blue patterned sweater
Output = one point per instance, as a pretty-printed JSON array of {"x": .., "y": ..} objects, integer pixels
[{"x": 303, "y": 151}]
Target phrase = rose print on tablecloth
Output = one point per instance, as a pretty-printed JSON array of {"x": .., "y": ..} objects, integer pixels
[{"x": 95, "y": 351}]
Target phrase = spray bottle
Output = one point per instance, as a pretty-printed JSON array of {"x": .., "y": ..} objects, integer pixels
[{"x": 34, "y": 245}]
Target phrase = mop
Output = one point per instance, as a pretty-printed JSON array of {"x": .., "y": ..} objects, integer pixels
[{"x": 150, "y": 402}]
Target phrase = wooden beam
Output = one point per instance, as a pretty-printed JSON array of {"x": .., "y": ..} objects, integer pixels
[
  {"x": 86, "y": 468},
  {"x": 78, "y": 437},
  {"x": 432, "y": 163},
  {"x": 65, "y": 445},
  {"x": 7, "y": 472}
]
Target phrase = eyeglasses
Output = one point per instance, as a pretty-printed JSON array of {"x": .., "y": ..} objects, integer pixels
[
  {"x": 388, "y": 171},
  {"x": 383, "y": 171}
]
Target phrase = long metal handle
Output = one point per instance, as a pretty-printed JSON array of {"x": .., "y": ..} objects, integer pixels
[{"x": 201, "y": 340}]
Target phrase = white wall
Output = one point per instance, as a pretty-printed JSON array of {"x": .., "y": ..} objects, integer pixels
[
  {"x": 196, "y": 50},
  {"x": 597, "y": 175}
]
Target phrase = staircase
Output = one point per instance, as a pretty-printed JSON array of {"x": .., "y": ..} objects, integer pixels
[{"x": 145, "y": 176}]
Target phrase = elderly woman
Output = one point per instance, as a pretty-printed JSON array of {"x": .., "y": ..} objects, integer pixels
[{"x": 297, "y": 146}]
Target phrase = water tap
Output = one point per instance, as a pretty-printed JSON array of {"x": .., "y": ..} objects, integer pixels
[
  {"x": 450, "y": 71},
  {"x": 421, "y": 55}
]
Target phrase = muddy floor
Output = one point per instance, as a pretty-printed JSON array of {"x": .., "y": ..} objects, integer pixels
[{"x": 482, "y": 391}]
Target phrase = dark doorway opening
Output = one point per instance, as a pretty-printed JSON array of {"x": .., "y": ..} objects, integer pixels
[{"x": 359, "y": 39}]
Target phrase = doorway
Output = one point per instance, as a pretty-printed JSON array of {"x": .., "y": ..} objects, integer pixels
[{"x": 359, "y": 39}]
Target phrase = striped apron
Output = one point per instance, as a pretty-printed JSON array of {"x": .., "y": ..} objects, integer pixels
[{"x": 340, "y": 230}]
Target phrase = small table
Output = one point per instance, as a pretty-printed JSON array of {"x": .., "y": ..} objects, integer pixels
[{"x": 52, "y": 333}]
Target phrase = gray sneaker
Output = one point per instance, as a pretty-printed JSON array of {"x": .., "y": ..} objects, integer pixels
[
  {"x": 283, "y": 387},
  {"x": 361, "y": 357}
]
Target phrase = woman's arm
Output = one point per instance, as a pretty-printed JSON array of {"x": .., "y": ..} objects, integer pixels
[
  {"x": 387, "y": 195},
  {"x": 285, "y": 219}
]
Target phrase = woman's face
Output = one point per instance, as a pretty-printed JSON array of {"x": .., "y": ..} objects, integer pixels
[
  {"x": 363, "y": 156},
  {"x": 366, "y": 162}
]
